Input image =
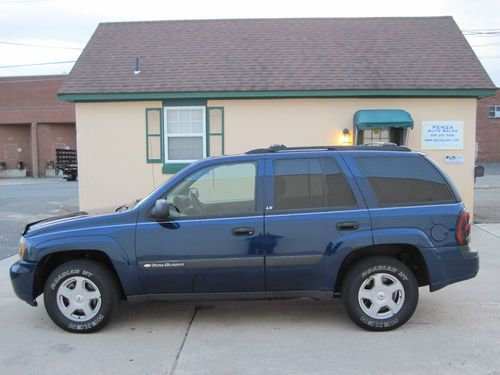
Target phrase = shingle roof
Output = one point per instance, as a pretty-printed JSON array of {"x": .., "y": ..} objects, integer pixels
[
  {"x": 277, "y": 54},
  {"x": 33, "y": 99}
]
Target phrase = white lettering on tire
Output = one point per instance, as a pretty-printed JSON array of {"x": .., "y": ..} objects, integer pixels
[
  {"x": 85, "y": 326},
  {"x": 378, "y": 269},
  {"x": 62, "y": 276}
]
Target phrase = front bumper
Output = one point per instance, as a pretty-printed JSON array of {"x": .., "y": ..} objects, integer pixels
[
  {"x": 448, "y": 265},
  {"x": 22, "y": 274}
]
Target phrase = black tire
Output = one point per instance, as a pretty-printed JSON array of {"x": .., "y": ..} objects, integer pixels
[
  {"x": 388, "y": 270},
  {"x": 88, "y": 274}
]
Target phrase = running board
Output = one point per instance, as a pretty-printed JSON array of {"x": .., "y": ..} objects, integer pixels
[{"x": 314, "y": 294}]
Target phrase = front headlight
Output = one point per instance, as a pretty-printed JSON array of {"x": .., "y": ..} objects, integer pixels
[{"x": 22, "y": 247}]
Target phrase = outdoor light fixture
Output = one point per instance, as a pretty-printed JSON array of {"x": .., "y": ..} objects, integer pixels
[{"x": 346, "y": 136}]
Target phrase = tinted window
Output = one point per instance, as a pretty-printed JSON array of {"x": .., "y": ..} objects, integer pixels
[
  {"x": 405, "y": 181},
  {"x": 301, "y": 184},
  {"x": 215, "y": 191},
  {"x": 338, "y": 191}
]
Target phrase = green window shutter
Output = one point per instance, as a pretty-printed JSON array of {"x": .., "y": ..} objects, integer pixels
[
  {"x": 215, "y": 131},
  {"x": 154, "y": 135}
]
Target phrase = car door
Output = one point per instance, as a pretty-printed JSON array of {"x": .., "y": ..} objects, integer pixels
[
  {"x": 212, "y": 242},
  {"x": 314, "y": 211}
]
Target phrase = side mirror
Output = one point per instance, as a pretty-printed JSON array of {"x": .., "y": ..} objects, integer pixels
[{"x": 161, "y": 209}]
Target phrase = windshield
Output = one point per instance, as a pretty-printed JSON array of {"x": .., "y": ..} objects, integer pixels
[{"x": 139, "y": 201}]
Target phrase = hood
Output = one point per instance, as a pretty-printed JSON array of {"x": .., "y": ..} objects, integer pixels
[{"x": 67, "y": 218}]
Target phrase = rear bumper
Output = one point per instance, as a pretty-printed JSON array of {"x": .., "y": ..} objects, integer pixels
[
  {"x": 448, "y": 265},
  {"x": 21, "y": 276}
]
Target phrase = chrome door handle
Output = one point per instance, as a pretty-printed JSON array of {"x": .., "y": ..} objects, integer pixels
[
  {"x": 243, "y": 231},
  {"x": 347, "y": 225}
]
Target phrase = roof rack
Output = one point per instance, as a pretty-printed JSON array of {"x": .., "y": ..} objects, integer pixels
[{"x": 369, "y": 147}]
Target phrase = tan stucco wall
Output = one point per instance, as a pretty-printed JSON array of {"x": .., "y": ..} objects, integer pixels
[
  {"x": 111, "y": 137},
  {"x": 111, "y": 143},
  {"x": 256, "y": 123}
]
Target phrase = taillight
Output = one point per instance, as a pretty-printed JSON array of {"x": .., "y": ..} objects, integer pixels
[{"x": 462, "y": 231}]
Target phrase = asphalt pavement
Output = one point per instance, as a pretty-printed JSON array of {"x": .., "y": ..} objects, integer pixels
[
  {"x": 26, "y": 200},
  {"x": 487, "y": 196},
  {"x": 490, "y": 167},
  {"x": 454, "y": 331}
]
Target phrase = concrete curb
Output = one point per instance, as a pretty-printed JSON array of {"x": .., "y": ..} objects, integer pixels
[{"x": 11, "y": 182}]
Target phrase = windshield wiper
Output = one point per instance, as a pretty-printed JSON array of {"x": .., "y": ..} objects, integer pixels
[{"x": 123, "y": 207}]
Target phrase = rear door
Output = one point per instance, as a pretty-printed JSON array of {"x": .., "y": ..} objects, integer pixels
[{"x": 313, "y": 211}]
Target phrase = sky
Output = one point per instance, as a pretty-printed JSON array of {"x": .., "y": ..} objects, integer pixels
[{"x": 70, "y": 23}]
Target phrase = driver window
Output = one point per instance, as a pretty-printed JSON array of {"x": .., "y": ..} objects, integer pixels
[{"x": 222, "y": 190}]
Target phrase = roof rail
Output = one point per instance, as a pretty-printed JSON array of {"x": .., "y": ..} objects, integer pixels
[
  {"x": 369, "y": 147},
  {"x": 380, "y": 144}
]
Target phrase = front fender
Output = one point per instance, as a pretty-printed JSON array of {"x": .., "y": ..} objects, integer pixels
[{"x": 123, "y": 259}]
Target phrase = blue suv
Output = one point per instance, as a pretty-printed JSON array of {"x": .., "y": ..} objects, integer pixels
[{"x": 368, "y": 224}]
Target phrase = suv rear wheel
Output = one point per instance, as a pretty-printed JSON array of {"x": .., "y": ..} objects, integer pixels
[
  {"x": 379, "y": 293},
  {"x": 80, "y": 296}
]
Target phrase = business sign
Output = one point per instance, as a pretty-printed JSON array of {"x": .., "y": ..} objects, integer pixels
[
  {"x": 442, "y": 135},
  {"x": 454, "y": 159}
]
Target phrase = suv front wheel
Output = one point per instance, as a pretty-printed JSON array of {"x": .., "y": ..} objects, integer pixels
[
  {"x": 379, "y": 293},
  {"x": 81, "y": 295}
]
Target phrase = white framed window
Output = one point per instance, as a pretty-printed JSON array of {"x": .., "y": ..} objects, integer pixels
[
  {"x": 185, "y": 134},
  {"x": 494, "y": 111}
]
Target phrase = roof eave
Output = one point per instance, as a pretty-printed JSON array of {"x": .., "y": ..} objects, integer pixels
[{"x": 275, "y": 94}]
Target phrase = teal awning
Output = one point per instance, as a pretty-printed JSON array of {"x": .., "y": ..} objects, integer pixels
[{"x": 382, "y": 118}]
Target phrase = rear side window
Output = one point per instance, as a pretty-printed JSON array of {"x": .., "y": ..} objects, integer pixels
[
  {"x": 309, "y": 184},
  {"x": 399, "y": 181}
]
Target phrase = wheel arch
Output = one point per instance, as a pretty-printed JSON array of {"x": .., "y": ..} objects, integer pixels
[
  {"x": 408, "y": 254},
  {"x": 53, "y": 260}
]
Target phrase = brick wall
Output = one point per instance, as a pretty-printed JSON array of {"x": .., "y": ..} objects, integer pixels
[
  {"x": 24, "y": 100},
  {"x": 33, "y": 99},
  {"x": 488, "y": 130},
  {"x": 13, "y": 137},
  {"x": 50, "y": 137}
]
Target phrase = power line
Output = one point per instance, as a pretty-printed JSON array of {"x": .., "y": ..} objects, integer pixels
[
  {"x": 10, "y": 79},
  {"x": 488, "y": 34},
  {"x": 475, "y": 30},
  {"x": 485, "y": 45},
  {"x": 39, "y": 45},
  {"x": 47, "y": 63}
]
